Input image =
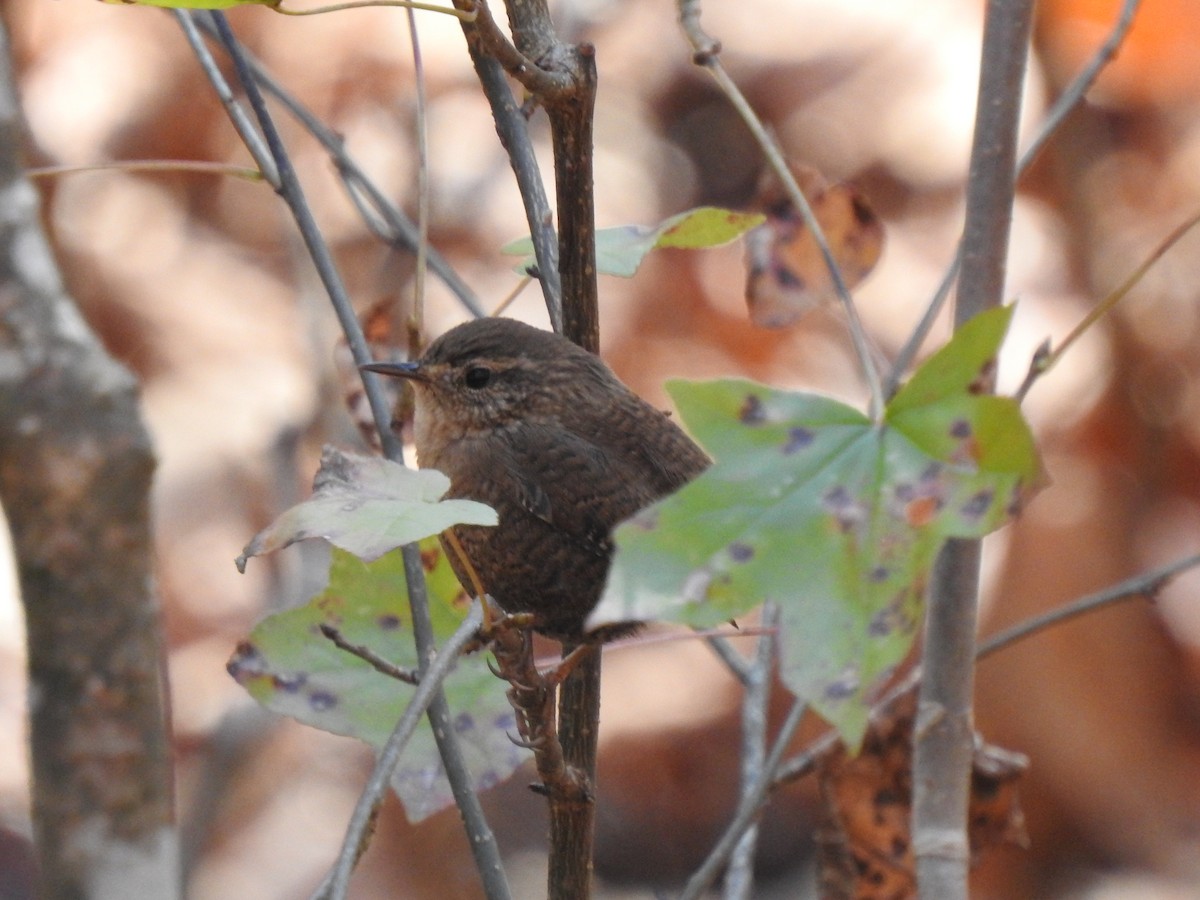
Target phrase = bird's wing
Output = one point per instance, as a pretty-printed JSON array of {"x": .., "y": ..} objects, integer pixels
[{"x": 572, "y": 484}]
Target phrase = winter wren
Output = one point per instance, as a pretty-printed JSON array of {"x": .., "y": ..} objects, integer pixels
[{"x": 542, "y": 431}]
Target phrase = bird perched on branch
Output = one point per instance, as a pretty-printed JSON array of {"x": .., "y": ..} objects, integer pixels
[{"x": 541, "y": 430}]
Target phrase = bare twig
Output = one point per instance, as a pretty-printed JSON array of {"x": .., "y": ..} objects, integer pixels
[
  {"x": 372, "y": 796},
  {"x": 1077, "y": 89},
  {"x": 535, "y": 77},
  {"x": 734, "y": 661},
  {"x": 367, "y": 655},
  {"x": 1045, "y": 359},
  {"x": 237, "y": 115},
  {"x": 706, "y": 52},
  {"x": 200, "y": 166},
  {"x": 418, "y": 315},
  {"x": 1147, "y": 584},
  {"x": 409, "y": 5},
  {"x": 1067, "y": 101}
]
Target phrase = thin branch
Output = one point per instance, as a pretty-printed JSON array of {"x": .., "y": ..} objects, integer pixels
[
  {"x": 734, "y": 661},
  {"x": 706, "y": 52},
  {"x": 367, "y": 655},
  {"x": 250, "y": 135},
  {"x": 739, "y": 875},
  {"x": 418, "y": 316},
  {"x": 1067, "y": 101},
  {"x": 409, "y": 5},
  {"x": 372, "y": 796},
  {"x": 1147, "y": 584},
  {"x": 395, "y": 228},
  {"x": 480, "y": 837},
  {"x": 292, "y": 193},
  {"x": 513, "y": 131},
  {"x": 1077, "y": 89},
  {"x": 571, "y": 119},
  {"x": 748, "y": 810},
  {"x": 203, "y": 167}
]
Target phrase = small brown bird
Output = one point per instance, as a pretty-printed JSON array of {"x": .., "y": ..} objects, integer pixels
[{"x": 541, "y": 430}]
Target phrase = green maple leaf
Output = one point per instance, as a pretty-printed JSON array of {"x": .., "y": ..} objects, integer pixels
[{"x": 834, "y": 517}]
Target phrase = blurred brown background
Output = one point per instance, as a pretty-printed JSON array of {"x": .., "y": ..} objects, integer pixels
[{"x": 197, "y": 283}]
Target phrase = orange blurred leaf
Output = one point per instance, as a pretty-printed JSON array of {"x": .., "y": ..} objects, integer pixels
[{"x": 866, "y": 846}]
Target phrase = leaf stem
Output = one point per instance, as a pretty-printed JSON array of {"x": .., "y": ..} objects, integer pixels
[{"x": 151, "y": 165}]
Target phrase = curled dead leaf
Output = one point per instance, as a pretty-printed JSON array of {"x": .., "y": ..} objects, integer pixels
[{"x": 786, "y": 273}]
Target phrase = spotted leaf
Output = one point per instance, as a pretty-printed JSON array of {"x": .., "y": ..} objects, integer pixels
[
  {"x": 835, "y": 518},
  {"x": 290, "y": 667}
]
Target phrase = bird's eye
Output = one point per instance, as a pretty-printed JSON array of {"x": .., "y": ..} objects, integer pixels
[{"x": 477, "y": 377}]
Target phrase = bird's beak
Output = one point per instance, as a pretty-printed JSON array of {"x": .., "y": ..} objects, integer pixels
[{"x": 410, "y": 370}]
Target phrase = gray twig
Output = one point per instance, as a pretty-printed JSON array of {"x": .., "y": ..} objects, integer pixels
[
  {"x": 733, "y": 660},
  {"x": 513, "y": 132},
  {"x": 237, "y": 115},
  {"x": 367, "y": 655},
  {"x": 1147, "y": 584},
  {"x": 739, "y": 875}
]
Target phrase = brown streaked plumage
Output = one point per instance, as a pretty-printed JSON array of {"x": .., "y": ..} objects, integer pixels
[{"x": 541, "y": 430}]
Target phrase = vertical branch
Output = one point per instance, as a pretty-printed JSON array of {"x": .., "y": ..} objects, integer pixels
[
  {"x": 573, "y": 826},
  {"x": 571, "y": 134},
  {"x": 944, "y": 732}
]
